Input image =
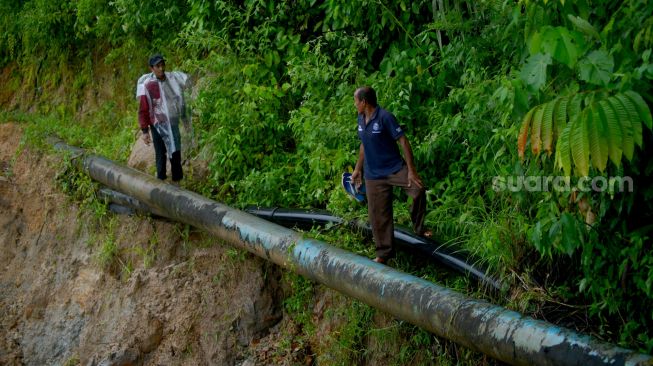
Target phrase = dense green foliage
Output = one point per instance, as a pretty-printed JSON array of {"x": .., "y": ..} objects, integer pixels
[{"x": 275, "y": 117}]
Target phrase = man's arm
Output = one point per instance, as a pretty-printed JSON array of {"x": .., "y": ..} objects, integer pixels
[
  {"x": 144, "y": 119},
  {"x": 185, "y": 82},
  {"x": 413, "y": 177},
  {"x": 356, "y": 176},
  {"x": 188, "y": 82}
]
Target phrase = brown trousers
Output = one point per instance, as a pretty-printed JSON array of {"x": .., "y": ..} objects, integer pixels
[{"x": 379, "y": 207}]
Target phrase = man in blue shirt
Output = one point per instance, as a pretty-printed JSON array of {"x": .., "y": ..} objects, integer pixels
[{"x": 383, "y": 168}]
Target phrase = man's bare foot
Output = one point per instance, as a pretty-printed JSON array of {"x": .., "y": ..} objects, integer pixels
[{"x": 379, "y": 260}]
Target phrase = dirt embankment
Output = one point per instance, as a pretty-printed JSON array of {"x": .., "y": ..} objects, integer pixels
[
  {"x": 80, "y": 289},
  {"x": 173, "y": 296}
]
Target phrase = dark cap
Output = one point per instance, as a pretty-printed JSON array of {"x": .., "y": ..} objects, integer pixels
[{"x": 155, "y": 59}]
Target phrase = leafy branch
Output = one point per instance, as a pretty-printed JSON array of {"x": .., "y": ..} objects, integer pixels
[{"x": 589, "y": 128}]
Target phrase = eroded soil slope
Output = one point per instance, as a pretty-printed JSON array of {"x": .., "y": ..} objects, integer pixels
[{"x": 169, "y": 296}]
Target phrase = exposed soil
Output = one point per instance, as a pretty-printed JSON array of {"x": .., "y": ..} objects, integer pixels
[
  {"x": 170, "y": 296},
  {"x": 166, "y": 294}
]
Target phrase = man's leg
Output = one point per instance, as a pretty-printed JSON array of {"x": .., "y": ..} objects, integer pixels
[
  {"x": 418, "y": 208},
  {"x": 175, "y": 166},
  {"x": 379, "y": 207},
  {"x": 159, "y": 154},
  {"x": 175, "y": 160}
]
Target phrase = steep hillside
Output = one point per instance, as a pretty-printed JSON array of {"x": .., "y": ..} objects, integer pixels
[
  {"x": 85, "y": 287},
  {"x": 165, "y": 299}
]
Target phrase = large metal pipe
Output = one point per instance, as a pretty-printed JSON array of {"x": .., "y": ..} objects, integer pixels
[
  {"x": 306, "y": 219},
  {"x": 452, "y": 258},
  {"x": 503, "y": 334}
]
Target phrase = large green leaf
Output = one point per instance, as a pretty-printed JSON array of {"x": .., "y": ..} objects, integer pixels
[
  {"x": 523, "y": 134},
  {"x": 563, "y": 153},
  {"x": 571, "y": 238},
  {"x": 579, "y": 142},
  {"x": 642, "y": 108},
  {"x": 533, "y": 73},
  {"x": 547, "y": 127},
  {"x": 535, "y": 43},
  {"x": 628, "y": 143},
  {"x": 537, "y": 130},
  {"x": 614, "y": 131},
  {"x": 560, "y": 115},
  {"x": 569, "y": 48},
  {"x": 596, "y": 68},
  {"x": 584, "y": 26},
  {"x": 598, "y": 139},
  {"x": 575, "y": 105},
  {"x": 563, "y": 45},
  {"x": 633, "y": 116}
]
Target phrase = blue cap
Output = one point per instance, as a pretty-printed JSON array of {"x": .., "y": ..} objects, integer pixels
[{"x": 155, "y": 59}]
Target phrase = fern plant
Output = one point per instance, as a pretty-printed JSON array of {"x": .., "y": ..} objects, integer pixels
[{"x": 588, "y": 128}]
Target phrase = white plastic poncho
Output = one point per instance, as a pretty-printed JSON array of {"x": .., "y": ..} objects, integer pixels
[{"x": 167, "y": 105}]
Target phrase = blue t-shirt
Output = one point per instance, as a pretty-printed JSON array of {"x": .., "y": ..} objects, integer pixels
[{"x": 379, "y": 138}]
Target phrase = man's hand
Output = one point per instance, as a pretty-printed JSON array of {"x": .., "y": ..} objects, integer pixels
[
  {"x": 413, "y": 178},
  {"x": 146, "y": 138},
  {"x": 356, "y": 178}
]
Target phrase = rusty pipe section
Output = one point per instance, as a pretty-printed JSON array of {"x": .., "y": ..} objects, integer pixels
[{"x": 503, "y": 334}]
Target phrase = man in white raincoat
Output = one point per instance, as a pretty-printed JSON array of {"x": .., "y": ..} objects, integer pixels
[{"x": 162, "y": 107}]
